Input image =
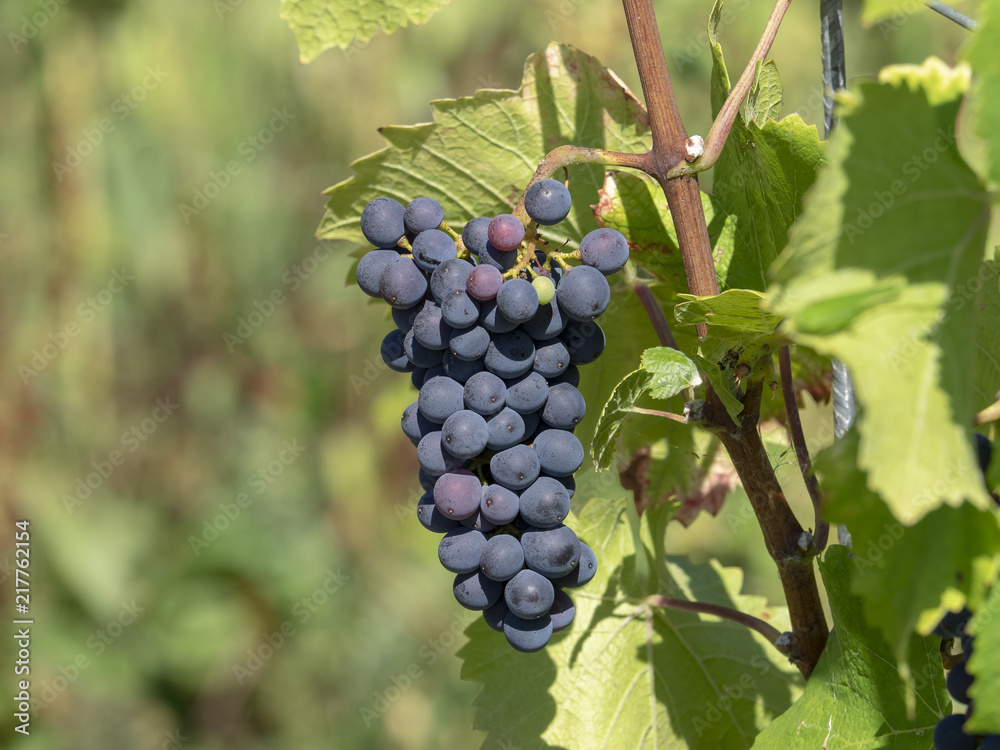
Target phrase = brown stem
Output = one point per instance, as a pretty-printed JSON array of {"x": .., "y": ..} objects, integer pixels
[
  {"x": 822, "y": 533},
  {"x": 655, "y": 313},
  {"x": 990, "y": 414},
  {"x": 719, "y": 132},
  {"x": 788, "y": 544},
  {"x": 657, "y": 413},
  {"x": 765, "y": 629},
  {"x": 669, "y": 136},
  {"x": 564, "y": 156}
]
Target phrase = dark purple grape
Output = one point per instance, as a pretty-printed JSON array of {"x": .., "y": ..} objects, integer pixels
[
  {"x": 527, "y": 636},
  {"x": 552, "y": 552},
  {"x": 564, "y": 407},
  {"x": 382, "y": 222},
  {"x": 959, "y": 681},
  {"x": 527, "y": 393},
  {"x": 583, "y": 293},
  {"x": 475, "y": 591},
  {"x": 505, "y": 232},
  {"x": 604, "y": 249},
  {"x": 510, "y": 355},
  {"x": 560, "y": 453},
  {"x": 499, "y": 505},
  {"x": 441, "y": 397},
  {"x": 582, "y": 573},
  {"x": 393, "y": 353},
  {"x": 402, "y": 284},
  {"x": 431, "y": 518},
  {"x": 502, "y": 558},
  {"x": 416, "y": 425},
  {"x": 457, "y": 494},
  {"x": 422, "y": 214},
  {"x": 585, "y": 341},
  {"x": 485, "y": 393},
  {"x": 562, "y": 611},
  {"x": 515, "y": 468},
  {"x": 432, "y": 248},
  {"x": 948, "y": 734},
  {"x": 551, "y": 358},
  {"x": 483, "y": 283},
  {"x": 370, "y": 269},
  {"x": 517, "y": 300},
  {"x": 450, "y": 276},
  {"x": 475, "y": 235},
  {"x": 545, "y": 504},
  {"x": 461, "y": 549},
  {"x": 547, "y": 202},
  {"x": 464, "y": 434},
  {"x": 434, "y": 459},
  {"x": 458, "y": 309},
  {"x": 429, "y": 328},
  {"x": 529, "y": 594}
]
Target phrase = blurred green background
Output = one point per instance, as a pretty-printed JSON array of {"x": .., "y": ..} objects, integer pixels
[{"x": 220, "y": 499}]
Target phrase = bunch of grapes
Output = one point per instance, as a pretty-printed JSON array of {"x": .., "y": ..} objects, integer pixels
[
  {"x": 492, "y": 325},
  {"x": 949, "y": 733}
]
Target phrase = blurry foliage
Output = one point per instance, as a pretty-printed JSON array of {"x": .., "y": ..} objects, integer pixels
[{"x": 116, "y": 114}]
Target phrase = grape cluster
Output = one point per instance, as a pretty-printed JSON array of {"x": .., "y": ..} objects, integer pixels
[
  {"x": 492, "y": 330},
  {"x": 949, "y": 734}
]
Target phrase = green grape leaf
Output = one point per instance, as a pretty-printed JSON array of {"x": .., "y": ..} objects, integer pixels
[
  {"x": 664, "y": 372},
  {"x": 671, "y": 371},
  {"x": 479, "y": 153},
  {"x": 903, "y": 588},
  {"x": 734, "y": 313},
  {"x": 892, "y": 231},
  {"x": 982, "y": 55},
  {"x": 983, "y": 293},
  {"x": 985, "y": 666},
  {"x": 321, "y": 24},
  {"x": 765, "y": 97},
  {"x": 740, "y": 332},
  {"x": 631, "y": 388},
  {"x": 855, "y": 697},
  {"x": 626, "y": 675},
  {"x": 635, "y": 206},
  {"x": 763, "y": 171}
]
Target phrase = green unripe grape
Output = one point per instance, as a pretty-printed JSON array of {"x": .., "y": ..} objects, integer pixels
[{"x": 545, "y": 288}]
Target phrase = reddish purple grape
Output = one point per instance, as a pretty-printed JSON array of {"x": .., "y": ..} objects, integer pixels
[
  {"x": 505, "y": 232},
  {"x": 484, "y": 282}
]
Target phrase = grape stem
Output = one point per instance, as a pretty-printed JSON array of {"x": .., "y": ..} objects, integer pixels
[
  {"x": 990, "y": 414},
  {"x": 822, "y": 533},
  {"x": 723, "y": 125},
  {"x": 655, "y": 314},
  {"x": 754, "y": 623},
  {"x": 657, "y": 413}
]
